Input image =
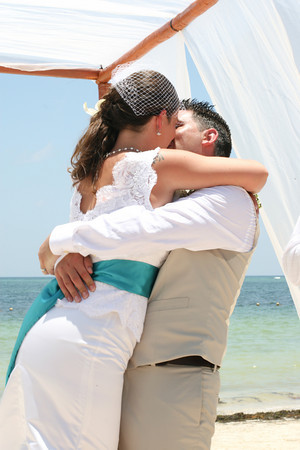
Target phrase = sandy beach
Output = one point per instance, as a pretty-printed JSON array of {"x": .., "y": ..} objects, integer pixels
[{"x": 259, "y": 434}]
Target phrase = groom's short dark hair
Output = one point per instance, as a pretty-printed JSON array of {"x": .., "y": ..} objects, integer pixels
[{"x": 206, "y": 117}]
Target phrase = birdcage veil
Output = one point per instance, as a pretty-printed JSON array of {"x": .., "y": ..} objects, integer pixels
[{"x": 146, "y": 91}]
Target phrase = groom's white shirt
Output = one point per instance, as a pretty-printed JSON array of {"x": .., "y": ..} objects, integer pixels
[{"x": 217, "y": 217}]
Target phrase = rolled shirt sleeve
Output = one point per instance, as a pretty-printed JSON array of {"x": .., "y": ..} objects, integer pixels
[{"x": 217, "y": 217}]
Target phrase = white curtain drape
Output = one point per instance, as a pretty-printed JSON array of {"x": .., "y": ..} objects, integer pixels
[
  {"x": 76, "y": 33},
  {"x": 246, "y": 53}
]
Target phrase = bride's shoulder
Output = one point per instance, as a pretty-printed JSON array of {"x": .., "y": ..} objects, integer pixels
[
  {"x": 135, "y": 171},
  {"x": 134, "y": 161},
  {"x": 147, "y": 155}
]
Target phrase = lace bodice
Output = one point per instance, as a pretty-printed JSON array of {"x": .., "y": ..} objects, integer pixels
[{"x": 133, "y": 180}]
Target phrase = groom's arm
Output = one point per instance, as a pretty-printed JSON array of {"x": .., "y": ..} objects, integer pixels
[
  {"x": 218, "y": 217},
  {"x": 221, "y": 217}
]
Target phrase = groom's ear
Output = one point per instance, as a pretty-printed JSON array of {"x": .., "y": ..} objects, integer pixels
[
  {"x": 209, "y": 139},
  {"x": 209, "y": 136}
]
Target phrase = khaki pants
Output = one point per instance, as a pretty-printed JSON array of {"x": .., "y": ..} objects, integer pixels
[{"x": 169, "y": 408}]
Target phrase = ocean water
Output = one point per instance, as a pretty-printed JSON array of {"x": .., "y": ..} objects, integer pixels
[{"x": 261, "y": 369}]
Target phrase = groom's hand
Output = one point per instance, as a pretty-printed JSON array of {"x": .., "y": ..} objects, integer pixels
[
  {"x": 73, "y": 274},
  {"x": 47, "y": 259}
]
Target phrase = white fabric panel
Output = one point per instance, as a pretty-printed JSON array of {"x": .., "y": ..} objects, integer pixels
[
  {"x": 245, "y": 52},
  {"x": 169, "y": 58},
  {"x": 76, "y": 33},
  {"x": 289, "y": 11}
]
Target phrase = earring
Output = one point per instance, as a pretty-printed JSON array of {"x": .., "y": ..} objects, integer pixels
[{"x": 158, "y": 133}]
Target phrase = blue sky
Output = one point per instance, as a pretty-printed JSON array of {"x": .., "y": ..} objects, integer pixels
[{"x": 41, "y": 120}]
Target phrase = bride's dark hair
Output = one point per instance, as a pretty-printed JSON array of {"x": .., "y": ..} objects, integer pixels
[{"x": 145, "y": 90}]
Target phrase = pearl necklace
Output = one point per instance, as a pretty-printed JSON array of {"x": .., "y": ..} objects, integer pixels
[{"x": 119, "y": 150}]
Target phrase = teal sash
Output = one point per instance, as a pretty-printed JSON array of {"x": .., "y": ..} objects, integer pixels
[{"x": 131, "y": 276}]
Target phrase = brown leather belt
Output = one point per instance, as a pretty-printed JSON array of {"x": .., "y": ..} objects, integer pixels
[{"x": 194, "y": 360}]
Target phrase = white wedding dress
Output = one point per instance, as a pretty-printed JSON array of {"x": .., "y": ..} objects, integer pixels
[{"x": 65, "y": 390}]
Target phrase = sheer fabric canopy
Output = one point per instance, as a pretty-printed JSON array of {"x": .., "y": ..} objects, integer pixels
[
  {"x": 72, "y": 33},
  {"x": 247, "y": 54}
]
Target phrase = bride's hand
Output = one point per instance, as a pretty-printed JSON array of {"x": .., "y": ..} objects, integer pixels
[{"x": 47, "y": 259}]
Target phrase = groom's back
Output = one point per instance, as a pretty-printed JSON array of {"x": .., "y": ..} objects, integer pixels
[{"x": 189, "y": 308}]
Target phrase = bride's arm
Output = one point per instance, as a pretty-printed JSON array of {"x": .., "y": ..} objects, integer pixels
[{"x": 179, "y": 169}]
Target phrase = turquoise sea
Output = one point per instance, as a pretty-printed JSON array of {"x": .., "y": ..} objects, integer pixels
[{"x": 261, "y": 369}]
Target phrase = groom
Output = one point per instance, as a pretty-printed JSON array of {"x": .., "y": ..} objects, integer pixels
[{"x": 172, "y": 382}]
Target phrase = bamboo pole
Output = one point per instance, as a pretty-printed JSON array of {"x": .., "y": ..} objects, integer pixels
[{"x": 84, "y": 74}]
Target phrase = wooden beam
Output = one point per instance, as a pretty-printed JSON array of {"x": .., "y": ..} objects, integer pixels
[
  {"x": 103, "y": 89},
  {"x": 86, "y": 74}
]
